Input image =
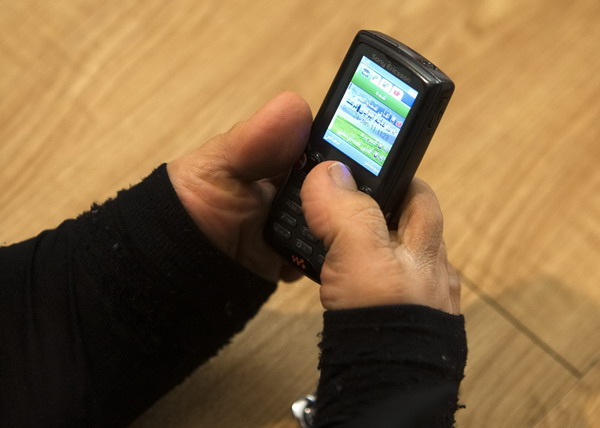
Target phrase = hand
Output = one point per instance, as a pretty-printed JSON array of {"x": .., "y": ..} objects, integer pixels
[
  {"x": 366, "y": 265},
  {"x": 227, "y": 184}
]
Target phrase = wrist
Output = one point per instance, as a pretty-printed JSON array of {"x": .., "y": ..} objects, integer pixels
[{"x": 395, "y": 286}]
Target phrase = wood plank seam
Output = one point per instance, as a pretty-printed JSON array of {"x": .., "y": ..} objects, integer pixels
[{"x": 506, "y": 314}]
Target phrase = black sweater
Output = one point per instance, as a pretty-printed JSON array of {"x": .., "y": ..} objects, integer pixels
[{"x": 103, "y": 315}]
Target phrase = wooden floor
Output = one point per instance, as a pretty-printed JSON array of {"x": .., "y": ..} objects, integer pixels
[{"x": 95, "y": 93}]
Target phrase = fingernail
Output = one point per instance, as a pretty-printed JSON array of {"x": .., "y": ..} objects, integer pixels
[{"x": 341, "y": 176}]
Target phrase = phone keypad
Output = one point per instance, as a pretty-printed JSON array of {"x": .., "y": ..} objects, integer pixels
[{"x": 288, "y": 231}]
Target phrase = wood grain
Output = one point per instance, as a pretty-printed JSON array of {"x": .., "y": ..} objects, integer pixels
[
  {"x": 94, "y": 94},
  {"x": 510, "y": 380},
  {"x": 579, "y": 407}
]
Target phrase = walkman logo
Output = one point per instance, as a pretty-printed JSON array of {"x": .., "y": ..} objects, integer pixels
[{"x": 299, "y": 261}]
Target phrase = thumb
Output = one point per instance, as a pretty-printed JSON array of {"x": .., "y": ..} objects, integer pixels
[
  {"x": 268, "y": 143},
  {"x": 349, "y": 222}
]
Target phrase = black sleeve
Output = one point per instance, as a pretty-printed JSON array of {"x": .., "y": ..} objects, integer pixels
[
  {"x": 394, "y": 366},
  {"x": 105, "y": 314}
]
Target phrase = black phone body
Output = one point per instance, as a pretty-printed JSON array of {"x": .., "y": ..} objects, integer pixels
[{"x": 377, "y": 118}]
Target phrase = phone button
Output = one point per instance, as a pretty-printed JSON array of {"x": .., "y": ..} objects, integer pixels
[
  {"x": 316, "y": 157},
  {"x": 437, "y": 115},
  {"x": 302, "y": 175},
  {"x": 305, "y": 232},
  {"x": 295, "y": 192},
  {"x": 366, "y": 189},
  {"x": 303, "y": 247},
  {"x": 293, "y": 207},
  {"x": 287, "y": 219},
  {"x": 281, "y": 232},
  {"x": 320, "y": 260},
  {"x": 427, "y": 63}
]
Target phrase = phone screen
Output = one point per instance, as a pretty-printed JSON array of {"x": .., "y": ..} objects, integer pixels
[{"x": 370, "y": 115}]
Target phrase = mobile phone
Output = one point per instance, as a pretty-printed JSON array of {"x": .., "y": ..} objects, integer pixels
[{"x": 377, "y": 118}]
